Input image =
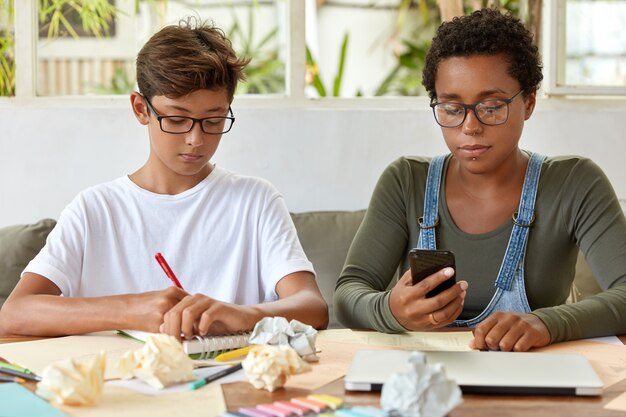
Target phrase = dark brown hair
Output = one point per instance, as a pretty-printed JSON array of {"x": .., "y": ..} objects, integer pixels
[
  {"x": 485, "y": 32},
  {"x": 180, "y": 59}
]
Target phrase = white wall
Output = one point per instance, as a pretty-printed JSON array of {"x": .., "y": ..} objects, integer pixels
[{"x": 321, "y": 159}]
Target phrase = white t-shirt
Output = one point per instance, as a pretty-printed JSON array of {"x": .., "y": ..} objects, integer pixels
[{"x": 230, "y": 237}]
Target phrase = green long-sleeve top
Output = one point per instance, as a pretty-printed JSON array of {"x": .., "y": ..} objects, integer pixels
[{"x": 576, "y": 208}]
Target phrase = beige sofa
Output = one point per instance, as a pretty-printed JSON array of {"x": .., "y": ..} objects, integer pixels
[{"x": 325, "y": 236}]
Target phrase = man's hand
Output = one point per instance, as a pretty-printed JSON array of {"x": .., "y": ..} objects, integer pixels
[
  {"x": 510, "y": 332},
  {"x": 146, "y": 310},
  {"x": 414, "y": 311},
  {"x": 201, "y": 315}
]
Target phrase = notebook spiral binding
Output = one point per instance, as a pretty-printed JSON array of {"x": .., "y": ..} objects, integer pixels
[{"x": 215, "y": 345}]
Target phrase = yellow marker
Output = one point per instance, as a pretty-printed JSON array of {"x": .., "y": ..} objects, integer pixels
[
  {"x": 233, "y": 354},
  {"x": 329, "y": 400}
]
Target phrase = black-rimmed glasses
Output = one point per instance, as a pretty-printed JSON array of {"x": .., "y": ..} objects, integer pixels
[
  {"x": 214, "y": 125},
  {"x": 492, "y": 112}
]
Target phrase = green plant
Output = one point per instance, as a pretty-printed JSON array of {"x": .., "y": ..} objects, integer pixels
[
  {"x": 313, "y": 70},
  {"x": 96, "y": 16},
  {"x": 313, "y": 74},
  {"x": 121, "y": 83},
  {"x": 405, "y": 79},
  {"x": 7, "y": 49},
  {"x": 265, "y": 74},
  {"x": 56, "y": 19}
]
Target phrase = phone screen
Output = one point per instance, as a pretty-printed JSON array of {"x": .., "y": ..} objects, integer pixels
[{"x": 424, "y": 263}]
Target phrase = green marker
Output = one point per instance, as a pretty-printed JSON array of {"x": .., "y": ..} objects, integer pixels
[
  {"x": 202, "y": 382},
  {"x": 21, "y": 374},
  {"x": 7, "y": 365}
]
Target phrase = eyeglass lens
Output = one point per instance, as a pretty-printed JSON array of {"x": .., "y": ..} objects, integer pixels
[
  {"x": 489, "y": 112},
  {"x": 212, "y": 125}
]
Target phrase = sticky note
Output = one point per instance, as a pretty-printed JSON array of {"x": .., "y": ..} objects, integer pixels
[
  {"x": 314, "y": 405},
  {"x": 294, "y": 408},
  {"x": 331, "y": 401},
  {"x": 274, "y": 410},
  {"x": 255, "y": 412}
]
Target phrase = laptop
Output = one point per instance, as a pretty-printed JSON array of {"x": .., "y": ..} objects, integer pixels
[{"x": 484, "y": 372}]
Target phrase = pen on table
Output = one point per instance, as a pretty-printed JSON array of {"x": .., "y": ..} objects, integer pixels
[
  {"x": 6, "y": 364},
  {"x": 166, "y": 268},
  {"x": 234, "y": 354},
  {"x": 204, "y": 381},
  {"x": 13, "y": 372},
  {"x": 8, "y": 378}
]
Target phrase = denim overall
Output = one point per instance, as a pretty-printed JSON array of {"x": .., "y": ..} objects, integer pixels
[{"x": 510, "y": 292}]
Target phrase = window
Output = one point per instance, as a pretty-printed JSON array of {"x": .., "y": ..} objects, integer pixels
[
  {"x": 365, "y": 48},
  {"x": 377, "y": 48},
  {"x": 346, "y": 49},
  {"x": 586, "y": 47},
  {"x": 72, "y": 60}
]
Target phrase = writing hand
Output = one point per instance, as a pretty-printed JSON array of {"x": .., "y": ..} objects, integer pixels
[
  {"x": 147, "y": 310},
  {"x": 414, "y": 311},
  {"x": 200, "y": 315},
  {"x": 510, "y": 332}
]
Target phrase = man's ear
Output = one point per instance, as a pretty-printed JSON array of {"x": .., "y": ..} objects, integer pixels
[
  {"x": 529, "y": 104},
  {"x": 140, "y": 109}
]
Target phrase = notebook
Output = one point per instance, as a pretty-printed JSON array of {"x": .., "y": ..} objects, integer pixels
[
  {"x": 201, "y": 347},
  {"x": 17, "y": 401},
  {"x": 484, "y": 372}
]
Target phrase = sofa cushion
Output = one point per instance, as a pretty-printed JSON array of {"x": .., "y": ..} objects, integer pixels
[
  {"x": 18, "y": 245},
  {"x": 326, "y": 237}
]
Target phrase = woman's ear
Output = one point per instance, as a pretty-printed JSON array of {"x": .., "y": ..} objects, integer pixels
[
  {"x": 140, "y": 109},
  {"x": 529, "y": 104}
]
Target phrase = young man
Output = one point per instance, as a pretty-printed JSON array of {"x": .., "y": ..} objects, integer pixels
[{"x": 228, "y": 238}]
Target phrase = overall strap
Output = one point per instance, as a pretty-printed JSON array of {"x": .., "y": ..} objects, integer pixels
[
  {"x": 430, "y": 218},
  {"x": 523, "y": 219}
]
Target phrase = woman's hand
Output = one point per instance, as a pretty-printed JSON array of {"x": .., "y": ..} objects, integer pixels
[
  {"x": 510, "y": 332},
  {"x": 201, "y": 315},
  {"x": 414, "y": 311}
]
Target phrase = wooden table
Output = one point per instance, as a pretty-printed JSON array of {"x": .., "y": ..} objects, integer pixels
[{"x": 242, "y": 394}]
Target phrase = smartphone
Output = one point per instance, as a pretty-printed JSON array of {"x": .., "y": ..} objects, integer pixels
[{"x": 424, "y": 263}]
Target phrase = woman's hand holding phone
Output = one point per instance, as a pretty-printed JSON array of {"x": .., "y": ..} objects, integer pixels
[
  {"x": 415, "y": 311},
  {"x": 425, "y": 262}
]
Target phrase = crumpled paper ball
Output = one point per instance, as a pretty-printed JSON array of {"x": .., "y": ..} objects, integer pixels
[
  {"x": 422, "y": 391},
  {"x": 277, "y": 331},
  {"x": 268, "y": 367},
  {"x": 160, "y": 362},
  {"x": 73, "y": 381}
]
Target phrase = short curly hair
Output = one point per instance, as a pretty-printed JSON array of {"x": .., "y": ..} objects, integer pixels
[{"x": 485, "y": 32}]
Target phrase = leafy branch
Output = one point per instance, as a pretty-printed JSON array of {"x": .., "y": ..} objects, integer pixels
[
  {"x": 313, "y": 70},
  {"x": 96, "y": 16},
  {"x": 265, "y": 73}
]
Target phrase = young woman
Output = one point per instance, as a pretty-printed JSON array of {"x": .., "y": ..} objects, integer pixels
[{"x": 514, "y": 219}]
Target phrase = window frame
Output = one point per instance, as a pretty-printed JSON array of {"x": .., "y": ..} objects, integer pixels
[
  {"x": 26, "y": 38},
  {"x": 554, "y": 56}
]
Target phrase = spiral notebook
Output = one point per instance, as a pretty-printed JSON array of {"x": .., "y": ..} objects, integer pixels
[{"x": 201, "y": 347}]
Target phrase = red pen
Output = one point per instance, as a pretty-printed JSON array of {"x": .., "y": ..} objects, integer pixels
[{"x": 166, "y": 268}]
